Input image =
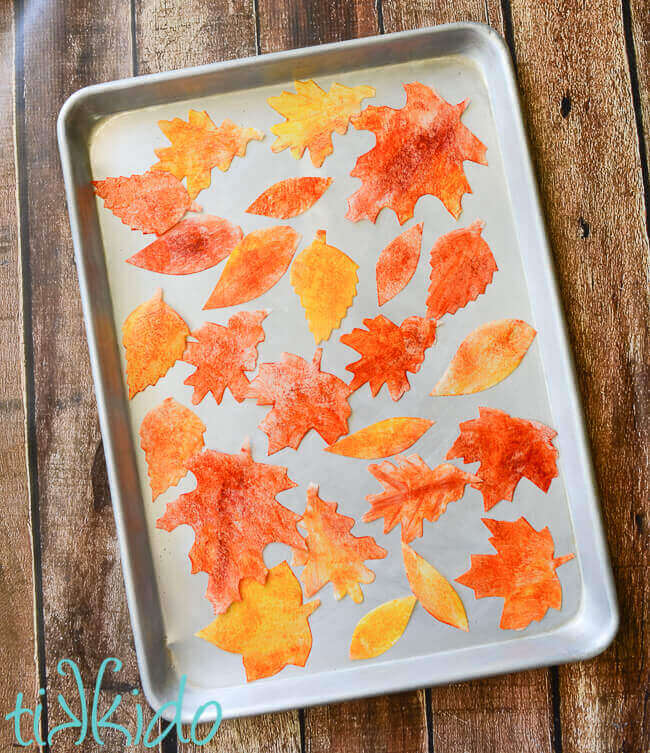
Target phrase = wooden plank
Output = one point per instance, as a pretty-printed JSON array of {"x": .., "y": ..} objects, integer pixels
[{"x": 582, "y": 128}]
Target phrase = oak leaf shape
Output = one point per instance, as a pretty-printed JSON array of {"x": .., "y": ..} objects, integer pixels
[
  {"x": 289, "y": 197},
  {"x": 384, "y": 438},
  {"x": 381, "y": 628},
  {"x": 397, "y": 263}
]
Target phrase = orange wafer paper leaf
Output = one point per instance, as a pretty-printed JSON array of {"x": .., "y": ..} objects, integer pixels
[
  {"x": 222, "y": 355},
  {"x": 152, "y": 202},
  {"x": 462, "y": 266},
  {"x": 397, "y": 263},
  {"x": 325, "y": 279},
  {"x": 198, "y": 146},
  {"x": 194, "y": 244},
  {"x": 312, "y": 115},
  {"x": 269, "y": 627},
  {"x": 303, "y": 398},
  {"x": 382, "y": 439},
  {"x": 388, "y": 352},
  {"x": 333, "y": 554},
  {"x": 170, "y": 435},
  {"x": 486, "y": 357},
  {"x": 413, "y": 492},
  {"x": 522, "y": 573},
  {"x": 381, "y": 628},
  {"x": 420, "y": 150},
  {"x": 234, "y": 514},
  {"x": 153, "y": 336},
  {"x": 508, "y": 448},
  {"x": 289, "y": 197},
  {"x": 434, "y": 592},
  {"x": 254, "y": 267}
]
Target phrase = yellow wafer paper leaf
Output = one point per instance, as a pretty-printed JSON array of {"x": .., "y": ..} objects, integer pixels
[
  {"x": 382, "y": 439},
  {"x": 381, "y": 628}
]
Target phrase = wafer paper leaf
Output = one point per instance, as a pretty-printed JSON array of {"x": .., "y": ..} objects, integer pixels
[
  {"x": 269, "y": 627},
  {"x": 382, "y": 439},
  {"x": 388, "y": 352},
  {"x": 198, "y": 146},
  {"x": 152, "y": 202},
  {"x": 289, "y": 197},
  {"x": 312, "y": 115},
  {"x": 326, "y": 281},
  {"x": 420, "y": 150},
  {"x": 486, "y": 357},
  {"x": 523, "y": 572},
  {"x": 254, "y": 267},
  {"x": 170, "y": 435},
  {"x": 303, "y": 398},
  {"x": 381, "y": 628},
  {"x": 462, "y": 266},
  {"x": 222, "y": 355},
  {"x": 413, "y": 492},
  {"x": 507, "y": 448},
  {"x": 234, "y": 514},
  {"x": 434, "y": 592},
  {"x": 194, "y": 244},
  {"x": 397, "y": 263},
  {"x": 153, "y": 336}
]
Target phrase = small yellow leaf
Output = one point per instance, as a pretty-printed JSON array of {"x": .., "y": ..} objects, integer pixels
[
  {"x": 382, "y": 439},
  {"x": 381, "y": 628}
]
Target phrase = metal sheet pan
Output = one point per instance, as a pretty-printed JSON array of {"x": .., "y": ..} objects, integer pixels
[{"x": 110, "y": 129}]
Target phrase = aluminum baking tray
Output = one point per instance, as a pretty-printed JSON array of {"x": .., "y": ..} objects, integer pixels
[{"x": 110, "y": 129}]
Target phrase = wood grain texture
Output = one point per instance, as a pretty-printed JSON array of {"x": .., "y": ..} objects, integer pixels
[{"x": 640, "y": 62}]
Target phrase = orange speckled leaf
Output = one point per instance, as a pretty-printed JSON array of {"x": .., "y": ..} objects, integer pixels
[
  {"x": 397, "y": 263},
  {"x": 223, "y": 354},
  {"x": 170, "y": 435},
  {"x": 269, "y": 627},
  {"x": 434, "y": 592},
  {"x": 507, "y": 448},
  {"x": 303, "y": 398},
  {"x": 523, "y": 572},
  {"x": 194, "y": 244},
  {"x": 333, "y": 554},
  {"x": 414, "y": 492},
  {"x": 289, "y": 197},
  {"x": 486, "y": 356},
  {"x": 420, "y": 150},
  {"x": 234, "y": 514},
  {"x": 312, "y": 115},
  {"x": 153, "y": 336},
  {"x": 198, "y": 146},
  {"x": 152, "y": 202},
  {"x": 382, "y": 439},
  {"x": 388, "y": 352},
  {"x": 326, "y": 281},
  {"x": 256, "y": 264},
  {"x": 381, "y": 628}
]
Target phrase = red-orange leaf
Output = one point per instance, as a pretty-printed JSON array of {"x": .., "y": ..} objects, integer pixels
[
  {"x": 234, "y": 514},
  {"x": 462, "y": 266},
  {"x": 507, "y": 448},
  {"x": 303, "y": 398},
  {"x": 420, "y": 150},
  {"x": 388, "y": 352},
  {"x": 223, "y": 354},
  {"x": 289, "y": 197},
  {"x": 397, "y": 263},
  {"x": 523, "y": 572}
]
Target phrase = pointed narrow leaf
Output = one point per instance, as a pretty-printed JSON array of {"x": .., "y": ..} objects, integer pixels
[
  {"x": 397, "y": 263},
  {"x": 382, "y": 439},
  {"x": 381, "y": 628},
  {"x": 289, "y": 197}
]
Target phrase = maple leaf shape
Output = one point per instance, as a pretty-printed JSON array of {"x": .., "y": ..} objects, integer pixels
[
  {"x": 381, "y": 628},
  {"x": 303, "y": 398},
  {"x": 420, "y": 150},
  {"x": 235, "y": 514},
  {"x": 198, "y": 146},
  {"x": 170, "y": 435},
  {"x": 382, "y": 439},
  {"x": 326, "y": 280},
  {"x": 289, "y": 197},
  {"x": 223, "y": 354},
  {"x": 397, "y": 263},
  {"x": 312, "y": 115},
  {"x": 462, "y": 266},
  {"x": 507, "y": 448},
  {"x": 268, "y": 627},
  {"x": 333, "y": 554},
  {"x": 523, "y": 572},
  {"x": 414, "y": 492},
  {"x": 388, "y": 352}
]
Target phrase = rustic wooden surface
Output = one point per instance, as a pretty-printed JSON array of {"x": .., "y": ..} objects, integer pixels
[{"x": 584, "y": 73}]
